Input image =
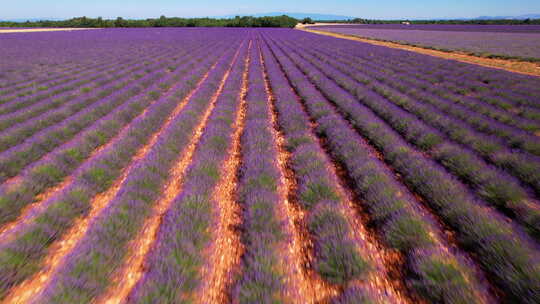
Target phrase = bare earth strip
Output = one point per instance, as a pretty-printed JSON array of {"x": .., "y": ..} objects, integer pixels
[
  {"x": 527, "y": 68},
  {"x": 43, "y": 30}
]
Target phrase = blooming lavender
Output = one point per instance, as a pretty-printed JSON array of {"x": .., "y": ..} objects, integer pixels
[
  {"x": 450, "y": 199},
  {"x": 176, "y": 260},
  {"x": 493, "y": 185},
  {"x": 337, "y": 259},
  {"x": 131, "y": 205},
  {"x": 517, "y": 28},
  {"x": 42, "y": 110},
  {"x": 95, "y": 176},
  {"x": 262, "y": 276},
  {"x": 47, "y": 172},
  {"x": 510, "y": 88},
  {"x": 391, "y": 207},
  {"x": 409, "y": 82},
  {"x": 301, "y": 167},
  {"x": 516, "y": 44},
  {"x": 64, "y": 107}
]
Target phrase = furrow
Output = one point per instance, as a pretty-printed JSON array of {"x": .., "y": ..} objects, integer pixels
[{"x": 227, "y": 248}]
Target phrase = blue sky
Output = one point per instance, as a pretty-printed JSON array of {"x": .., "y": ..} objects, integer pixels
[{"x": 368, "y": 9}]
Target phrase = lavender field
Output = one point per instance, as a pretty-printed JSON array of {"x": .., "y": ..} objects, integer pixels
[
  {"x": 449, "y": 27},
  {"x": 502, "y": 41},
  {"x": 222, "y": 165}
]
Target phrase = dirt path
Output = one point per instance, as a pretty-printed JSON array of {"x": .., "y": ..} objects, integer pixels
[
  {"x": 527, "y": 68},
  {"x": 34, "y": 30},
  {"x": 301, "y": 25},
  {"x": 228, "y": 248}
]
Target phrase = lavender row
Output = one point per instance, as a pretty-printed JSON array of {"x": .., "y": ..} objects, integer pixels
[
  {"x": 20, "y": 79},
  {"x": 53, "y": 79},
  {"x": 62, "y": 107},
  {"x": 58, "y": 49},
  {"x": 479, "y": 79},
  {"x": 476, "y": 97},
  {"x": 337, "y": 259},
  {"x": 176, "y": 260},
  {"x": 100, "y": 47},
  {"x": 25, "y": 73},
  {"x": 524, "y": 117},
  {"x": 19, "y": 103},
  {"x": 19, "y": 100},
  {"x": 263, "y": 236},
  {"x": 502, "y": 134},
  {"x": 11, "y": 120},
  {"x": 42, "y": 83},
  {"x": 35, "y": 147},
  {"x": 492, "y": 184},
  {"x": 407, "y": 82},
  {"x": 446, "y": 27},
  {"x": 87, "y": 271},
  {"x": 38, "y": 145},
  {"x": 515, "y": 89},
  {"x": 523, "y": 46},
  {"x": 392, "y": 208},
  {"x": 26, "y": 81},
  {"x": 508, "y": 256},
  {"x": 316, "y": 191},
  {"x": 448, "y": 74},
  {"x": 57, "y": 110},
  {"x": 22, "y": 256},
  {"x": 36, "y": 86},
  {"x": 522, "y": 166},
  {"x": 509, "y": 136},
  {"x": 109, "y": 46},
  {"x": 52, "y": 169}
]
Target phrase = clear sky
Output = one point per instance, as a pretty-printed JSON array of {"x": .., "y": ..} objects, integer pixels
[{"x": 15, "y": 9}]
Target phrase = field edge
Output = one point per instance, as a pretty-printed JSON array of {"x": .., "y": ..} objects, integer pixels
[{"x": 515, "y": 66}]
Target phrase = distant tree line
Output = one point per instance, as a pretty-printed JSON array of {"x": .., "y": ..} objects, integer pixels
[
  {"x": 307, "y": 20},
  {"x": 475, "y": 21},
  {"x": 246, "y": 21}
]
